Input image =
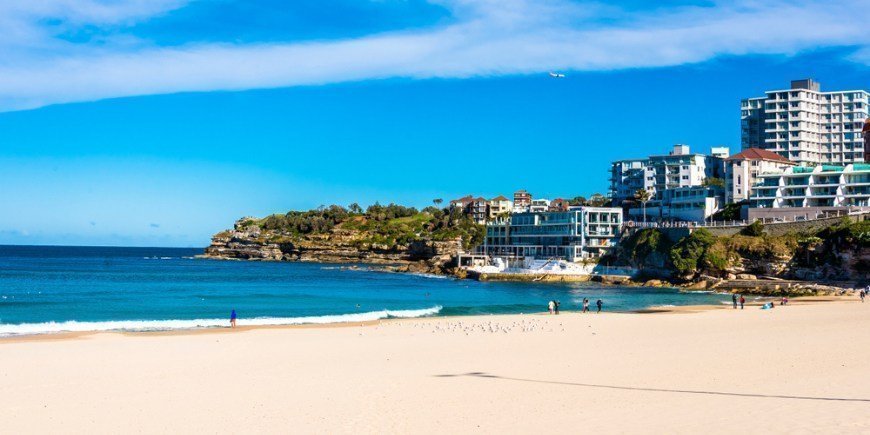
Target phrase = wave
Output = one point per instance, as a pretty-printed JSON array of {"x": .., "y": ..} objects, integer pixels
[
  {"x": 430, "y": 275},
  {"x": 165, "y": 325}
]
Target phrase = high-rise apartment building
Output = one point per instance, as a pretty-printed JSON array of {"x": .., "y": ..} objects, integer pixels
[{"x": 806, "y": 125}]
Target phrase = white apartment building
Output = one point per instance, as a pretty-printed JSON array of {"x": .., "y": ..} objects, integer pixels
[
  {"x": 499, "y": 206},
  {"x": 539, "y": 205},
  {"x": 581, "y": 232},
  {"x": 806, "y": 125},
  {"x": 690, "y": 203},
  {"x": 626, "y": 178},
  {"x": 679, "y": 168},
  {"x": 821, "y": 187},
  {"x": 742, "y": 171}
]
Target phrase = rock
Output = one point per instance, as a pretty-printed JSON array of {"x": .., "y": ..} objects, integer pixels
[
  {"x": 653, "y": 283},
  {"x": 746, "y": 276},
  {"x": 730, "y": 276},
  {"x": 700, "y": 285}
]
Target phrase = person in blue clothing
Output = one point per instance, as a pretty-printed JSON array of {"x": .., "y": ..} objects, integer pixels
[{"x": 233, "y": 319}]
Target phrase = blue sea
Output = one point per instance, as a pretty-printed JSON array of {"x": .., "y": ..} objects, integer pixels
[{"x": 46, "y": 289}]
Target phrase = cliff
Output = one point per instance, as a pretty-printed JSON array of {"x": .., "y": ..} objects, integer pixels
[
  {"x": 407, "y": 240},
  {"x": 755, "y": 260}
]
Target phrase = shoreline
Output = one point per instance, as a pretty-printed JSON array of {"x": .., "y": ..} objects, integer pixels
[{"x": 653, "y": 309}]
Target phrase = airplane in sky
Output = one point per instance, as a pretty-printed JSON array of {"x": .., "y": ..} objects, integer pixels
[{"x": 556, "y": 75}]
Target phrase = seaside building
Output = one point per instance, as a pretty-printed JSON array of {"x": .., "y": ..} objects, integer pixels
[
  {"x": 522, "y": 201},
  {"x": 477, "y": 208},
  {"x": 742, "y": 170},
  {"x": 806, "y": 125},
  {"x": 572, "y": 235},
  {"x": 806, "y": 192},
  {"x": 539, "y": 205},
  {"x": 626, "y": 178},
  {"x": 499, "y": 206},
  {"x": 689, "y": 203},
  {"x": 679, "y": 168},
  {"x": 680, "y": 171}
]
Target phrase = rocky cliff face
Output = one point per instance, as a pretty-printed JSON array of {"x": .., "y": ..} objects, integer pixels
[{"x": 250, "y": 242}]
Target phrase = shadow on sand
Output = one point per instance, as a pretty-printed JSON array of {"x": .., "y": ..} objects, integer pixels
[{"x": 657, "y": 390}]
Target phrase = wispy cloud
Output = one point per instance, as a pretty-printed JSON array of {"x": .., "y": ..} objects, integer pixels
[{"x": 485, "y": 38}]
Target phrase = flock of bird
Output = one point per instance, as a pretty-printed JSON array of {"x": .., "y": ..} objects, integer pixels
[{"x": 481, "y": 327}]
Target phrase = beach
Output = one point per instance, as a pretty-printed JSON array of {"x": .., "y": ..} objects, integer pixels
[{"x": 802, "y": 367}]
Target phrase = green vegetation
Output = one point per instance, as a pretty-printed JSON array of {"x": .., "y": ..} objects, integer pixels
[
  {"x": 731, "y": 212},
  {"x": 595, "y": 200},
  {"x": 689, "y": 255},
  {"x": 839, "y": 249},
  {"x": 713, "y": 182},
  {"x": 644, "y": 243},
  {"x": 385, "y": 226},
  {"x": 755, "y": 229}
]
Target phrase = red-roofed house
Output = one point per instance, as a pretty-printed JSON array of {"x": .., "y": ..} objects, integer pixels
[{"x": 742, "y": 170}]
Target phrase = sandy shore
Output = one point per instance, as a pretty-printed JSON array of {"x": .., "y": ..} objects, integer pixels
[{"x": 801, "y": 368}]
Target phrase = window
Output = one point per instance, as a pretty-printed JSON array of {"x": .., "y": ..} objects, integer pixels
[{"x": 685, "y": 177}]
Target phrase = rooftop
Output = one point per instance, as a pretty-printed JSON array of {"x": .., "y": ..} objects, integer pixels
[{"x": 759, "y": 154}]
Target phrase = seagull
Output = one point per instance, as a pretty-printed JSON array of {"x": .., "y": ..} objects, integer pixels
[{"x": 556, "y": 75}]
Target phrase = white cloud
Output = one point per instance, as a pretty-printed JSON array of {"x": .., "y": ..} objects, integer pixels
[{"x": 486, "y": 37}]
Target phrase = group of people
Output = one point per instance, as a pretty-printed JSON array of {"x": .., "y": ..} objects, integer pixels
[
  {"x": 739, "y": 299},
  {"x": 553, "y": 306},
  {"x": 735, "y": 298}
]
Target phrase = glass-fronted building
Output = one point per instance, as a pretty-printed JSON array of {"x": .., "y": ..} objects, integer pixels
[{"x": 580, "y": 232}]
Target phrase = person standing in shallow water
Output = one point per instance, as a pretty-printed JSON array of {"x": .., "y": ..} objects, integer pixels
[{"x": 233, "y": 319}]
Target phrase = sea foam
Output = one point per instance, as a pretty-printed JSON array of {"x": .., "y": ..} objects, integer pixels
[{"x": 165, "y": 325}]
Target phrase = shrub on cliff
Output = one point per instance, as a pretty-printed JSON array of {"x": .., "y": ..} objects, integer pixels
[
  {"x": 755, "y": 229},
  {"x": 847, "y": 234},
  {"x": 639, "y": 248},
  {"x": 687, "y": 255}
]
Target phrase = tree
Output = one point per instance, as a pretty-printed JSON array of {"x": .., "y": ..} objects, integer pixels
[
  {"x": 643, "y": 195},
  {"x": 355, "y": 208},
  {"x": 713, "y": 182},
  {"x": 755, "y": 229},
  {"x": 578, "y": 200},
  {"x": 598, "y": 200},
  {"x": 437, "y": 202}
]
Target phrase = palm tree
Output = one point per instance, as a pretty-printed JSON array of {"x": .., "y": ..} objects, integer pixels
[
  {"x": 643, "y": 196},
  {"x": 437, "y": 202}
]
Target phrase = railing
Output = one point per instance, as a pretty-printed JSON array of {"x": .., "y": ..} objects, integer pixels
[{"x": 743, "y": 223}]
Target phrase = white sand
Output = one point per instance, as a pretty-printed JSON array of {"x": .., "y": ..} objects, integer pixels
[{"x": 711, "y": 371}]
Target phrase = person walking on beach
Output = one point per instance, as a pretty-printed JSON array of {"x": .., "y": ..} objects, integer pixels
[
  {"x": 585, "y": 305},
  {"x": 556, "y": 307},
  {"x": 599, "y": 304},
  {"x": 551, "y": 307},
  {"x": 233, "y": 318},
  {"x": 734, "y": 300},
  {"x": 742, "y": 301},
  {"x": 863, "y": 293}
]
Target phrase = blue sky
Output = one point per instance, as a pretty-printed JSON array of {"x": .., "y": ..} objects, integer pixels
[{"x": 159, "y": 122}]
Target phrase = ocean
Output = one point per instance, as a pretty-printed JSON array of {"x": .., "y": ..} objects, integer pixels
[{"x": 46, "y": 289}]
